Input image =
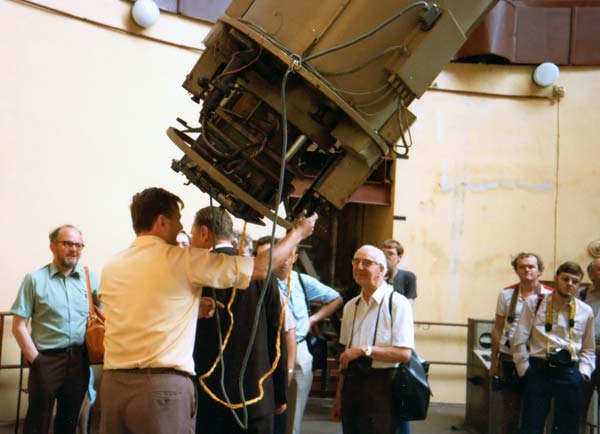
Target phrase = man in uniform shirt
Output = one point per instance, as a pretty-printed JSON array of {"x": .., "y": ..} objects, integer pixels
[
  {"x": 55, "y": 298},
  {"x": 529, "y": 268},
  {"x": 591, "y": 295},
  {"x": 151, "y": 294},
  {"x": 553, "y": 348}
]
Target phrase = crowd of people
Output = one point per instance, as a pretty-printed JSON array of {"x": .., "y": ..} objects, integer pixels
[
  {"x": 199, "y": 340},
  {"x": 181, "y": 311}
]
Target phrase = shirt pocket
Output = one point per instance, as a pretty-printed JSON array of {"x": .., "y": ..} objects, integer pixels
[
  {"x": 384, "y": 337},
  {"x": 578, "y": 331},
  {"x": 79, "y": 298}
]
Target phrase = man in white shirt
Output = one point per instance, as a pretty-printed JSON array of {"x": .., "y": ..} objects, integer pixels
[
  {"x": 378, "y": 333},
  {"x": 151, "y": 295},
  {"x": 553, "y": 348},
  {"x": 528, "y": 267}
]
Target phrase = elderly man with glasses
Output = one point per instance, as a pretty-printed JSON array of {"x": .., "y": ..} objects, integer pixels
[
  {"x": 378, "y": 333},
  {"x": 54, "y": 297}
]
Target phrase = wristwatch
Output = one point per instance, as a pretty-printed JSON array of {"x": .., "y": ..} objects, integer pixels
[{"x": 368, "y": 350}]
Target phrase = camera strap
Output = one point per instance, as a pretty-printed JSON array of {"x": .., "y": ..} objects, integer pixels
[
  {"x": 304, "y": 292},
  {"x": 548, "y": 324},
  {"x": 510, "y": 318},
  {"x": 513, "y": 305}
]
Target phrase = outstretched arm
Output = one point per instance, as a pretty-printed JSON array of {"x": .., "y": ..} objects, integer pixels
[
  {"x": 282, "y": 250},
  {"x": 325, "y": 311}
]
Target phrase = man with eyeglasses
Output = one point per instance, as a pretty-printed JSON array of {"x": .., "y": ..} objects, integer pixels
[
  {"x": 553, "y": 349},
  {"x": 377, "y": 333},
  {"x": 54, "y": 297}
]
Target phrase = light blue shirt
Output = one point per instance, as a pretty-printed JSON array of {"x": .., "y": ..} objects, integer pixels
[
  {"x": 57, "y": 305},
  {"x": 315, "y": 291}
]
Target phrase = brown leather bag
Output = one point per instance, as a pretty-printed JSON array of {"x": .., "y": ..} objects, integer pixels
[{"x": 94, "y": 333}]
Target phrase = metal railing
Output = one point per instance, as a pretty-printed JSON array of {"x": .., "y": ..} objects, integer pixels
[
  {"x": 443, "y": 324},
  {"x": 3, "y": 316}
]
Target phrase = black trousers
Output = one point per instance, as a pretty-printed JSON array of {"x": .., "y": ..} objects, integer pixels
[
  {"x": 512, "y": 393},
  {"x": 367, "y": 402},
  {"x": 57, "y": 375},
  {"x": 543, "y": 384},
  {"x": 279, "y": 423},
  {"x": 213, "y": 418},
  {"x": 223, "y": 423}
]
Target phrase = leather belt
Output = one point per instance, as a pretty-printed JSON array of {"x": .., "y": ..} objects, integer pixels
[
  {"x": 171, "y": 371},
  {"x": 545, "y": 363},
  {"x": 66, "y": 350}
]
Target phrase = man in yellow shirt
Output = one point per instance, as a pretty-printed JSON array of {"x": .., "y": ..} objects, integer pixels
[{"x": 151, "y": 295}]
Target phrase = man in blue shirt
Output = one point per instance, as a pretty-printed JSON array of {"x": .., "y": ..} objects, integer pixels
[
  {"x": 304, "y": 287},
  {"x": 54, "y": 297}
]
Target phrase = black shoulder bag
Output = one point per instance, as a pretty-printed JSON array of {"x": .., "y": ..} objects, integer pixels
[{"x": 410, "y": 387}]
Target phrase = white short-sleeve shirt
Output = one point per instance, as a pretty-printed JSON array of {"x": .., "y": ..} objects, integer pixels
[
  {"x": 502, "y": 308},
  {"x": 395, "y": 328}
]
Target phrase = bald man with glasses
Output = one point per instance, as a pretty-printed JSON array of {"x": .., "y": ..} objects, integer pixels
[
  {"x": 377, "y": 333},
  {"x": 54, "y": 298}
]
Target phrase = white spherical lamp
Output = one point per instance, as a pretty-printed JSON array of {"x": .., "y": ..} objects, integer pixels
[
  {"x": 145, "y": 13},
  {"x": 546, "y": 74}
]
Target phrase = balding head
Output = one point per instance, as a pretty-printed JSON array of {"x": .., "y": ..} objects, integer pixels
[
  {"x": 376, "y": 255},
  {"x": 593, "y": 270},
  {"x": 369, "y": 267}
]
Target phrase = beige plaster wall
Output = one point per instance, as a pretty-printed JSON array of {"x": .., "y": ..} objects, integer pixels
[
  {"x": 496, "y": 168},
  {"x": 83, "y": 115}
]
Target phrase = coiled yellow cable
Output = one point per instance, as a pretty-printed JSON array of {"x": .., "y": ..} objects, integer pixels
[{"x": 226, "y": 340}]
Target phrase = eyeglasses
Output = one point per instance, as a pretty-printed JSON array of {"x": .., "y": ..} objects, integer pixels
[
  {"x": 71, "y": 244},
  {"x": 570, "y": 280},
  {"x": 365, "y": 262}
]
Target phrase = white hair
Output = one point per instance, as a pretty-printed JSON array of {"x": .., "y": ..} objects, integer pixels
[{"x": 378, "y": 255}]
